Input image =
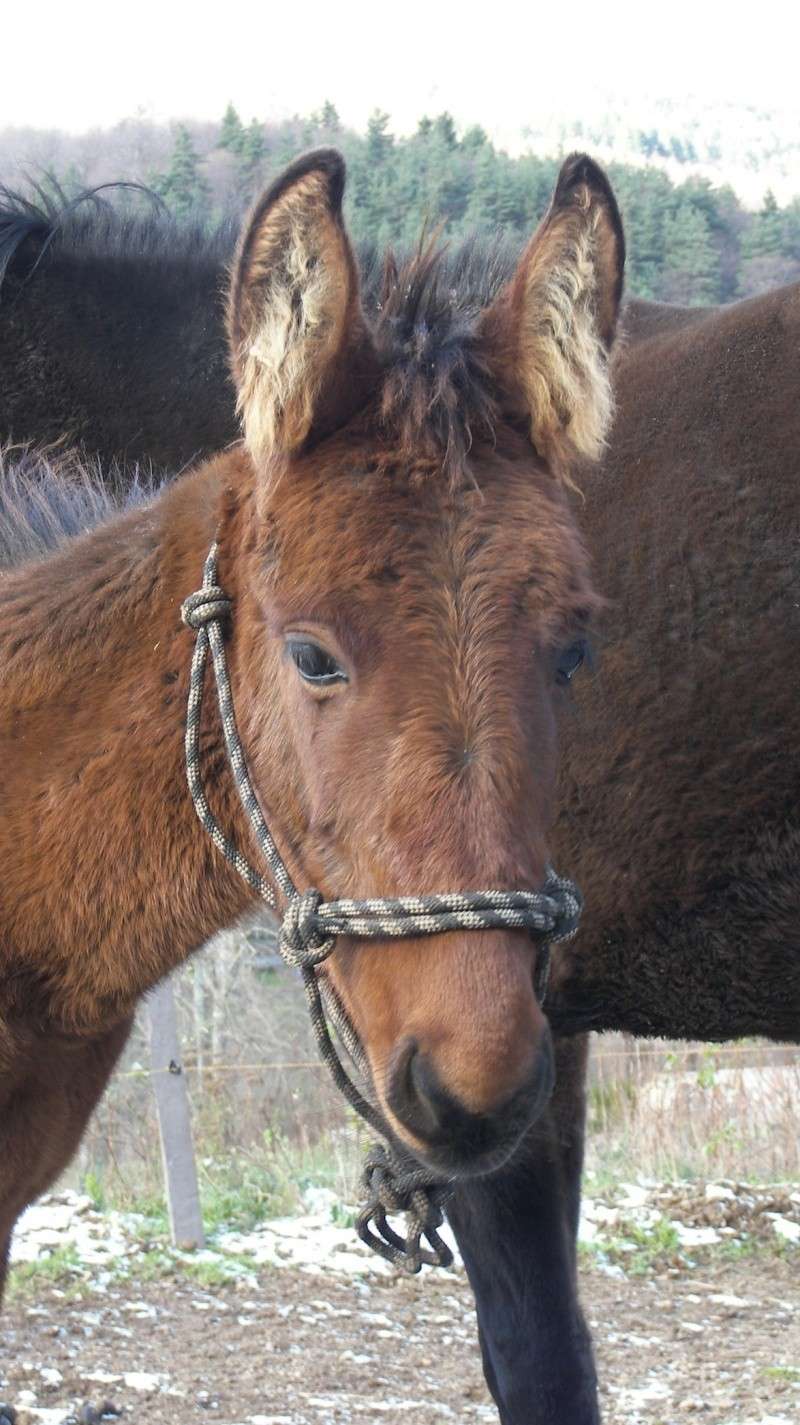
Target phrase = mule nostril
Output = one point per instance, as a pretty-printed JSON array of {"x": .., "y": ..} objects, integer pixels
[
  {"x": 421, "y": 1102},
  {"x": 412, "y": 1093},
  {"x": 428, "y": 1097}
]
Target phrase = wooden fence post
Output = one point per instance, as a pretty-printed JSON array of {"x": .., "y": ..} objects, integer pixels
[{"x": 174, "y": 1123}]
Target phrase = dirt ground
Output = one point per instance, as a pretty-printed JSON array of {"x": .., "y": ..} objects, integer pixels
[{"x": 719, "y": 1342}]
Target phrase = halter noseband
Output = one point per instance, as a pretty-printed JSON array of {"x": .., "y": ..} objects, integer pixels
[{"x": 393, "y": 1182}]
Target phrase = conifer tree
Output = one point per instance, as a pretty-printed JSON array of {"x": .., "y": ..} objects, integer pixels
[
  {"x": 791, "y": 217},
  {"x": 770, "y": 252},
  {"x": 183, "y": 185},
  {"x": 253, "y": 148},
  {"x": 379, "y": 141},
  {"x": 765, "y": 236},
  {"x": 474, "y": 139},
  {"x": 691, "y": 243},
  {"x": 329, "y": 118},
  {"x": 232, "y": 133},
  {"x": 445, "y": 129},
  {"x": 690, "y": 274},
  {"x": 646, "y": 198}
]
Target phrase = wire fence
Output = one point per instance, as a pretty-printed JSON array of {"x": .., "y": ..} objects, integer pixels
[{"x": 756, "y": 1051}]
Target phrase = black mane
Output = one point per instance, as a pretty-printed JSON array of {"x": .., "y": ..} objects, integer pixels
[
  {"x": 424, "y": 306},
  {"x": 48, "y": 497},
  {"x": 90, "y": 225}
]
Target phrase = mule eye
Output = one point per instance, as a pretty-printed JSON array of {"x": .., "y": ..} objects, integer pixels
[
  {"x": 314, "y": 664},
  {"x": 569, "y": 661}
]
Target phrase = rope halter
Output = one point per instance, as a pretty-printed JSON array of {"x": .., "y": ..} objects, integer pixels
[{"x": 393, "y": 1181}]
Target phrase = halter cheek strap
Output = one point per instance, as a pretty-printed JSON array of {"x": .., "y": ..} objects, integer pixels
[{"x": 393, "y": 1181}]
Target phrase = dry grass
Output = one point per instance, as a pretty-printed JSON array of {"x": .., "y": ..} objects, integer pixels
[{"x": 665, "y": 1110}]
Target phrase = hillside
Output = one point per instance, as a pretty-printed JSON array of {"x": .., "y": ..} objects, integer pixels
[{"x": 686, "y": 178}]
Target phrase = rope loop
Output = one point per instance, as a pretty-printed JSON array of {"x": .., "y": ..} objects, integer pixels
[
  {"x": 302, "y": 941},
  {"x": 205, "y": 606},
  {"x": 397, "y": 1186}
]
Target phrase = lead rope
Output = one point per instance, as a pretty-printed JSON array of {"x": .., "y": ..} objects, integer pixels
[{"x": 393, "y": 1182}]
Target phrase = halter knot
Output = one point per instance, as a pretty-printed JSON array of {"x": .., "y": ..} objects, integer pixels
[
  {"x": 393, "y": 1185},
  {"x": 205, "y": 606},
  {"x": 567, "y": 907},
  {"x": 303, "y": 943}
]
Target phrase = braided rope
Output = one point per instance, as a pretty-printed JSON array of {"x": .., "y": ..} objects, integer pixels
[{"x": 393, "y": 1181}]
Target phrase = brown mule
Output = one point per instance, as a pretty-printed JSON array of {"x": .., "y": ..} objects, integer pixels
[{"x": 411, "y": 599}]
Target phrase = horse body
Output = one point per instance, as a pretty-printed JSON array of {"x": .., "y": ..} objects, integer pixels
[
  {"x": 112, "y": 338},
  {"x": 91, "y": 777},
  {"x": 106, "y": 886},
  {"x": 681, "y": 780},
  {"x": 678, "y": 796}
]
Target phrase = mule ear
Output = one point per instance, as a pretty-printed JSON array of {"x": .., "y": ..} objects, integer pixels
[
  {"x": 299, "y": 344},
  {"x": 553, "y": 326}
]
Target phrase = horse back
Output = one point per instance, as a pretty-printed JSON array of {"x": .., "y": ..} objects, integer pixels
[{"x": 682, "y": 763}]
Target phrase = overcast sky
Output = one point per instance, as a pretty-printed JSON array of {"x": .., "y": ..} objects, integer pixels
[{"x": 80, "y": 64}]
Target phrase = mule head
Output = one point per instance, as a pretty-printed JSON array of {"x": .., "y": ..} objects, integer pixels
[{"x": 412, "y": 601}]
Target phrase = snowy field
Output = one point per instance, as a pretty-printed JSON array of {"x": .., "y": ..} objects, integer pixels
[{"x": 693, "y": 1293}]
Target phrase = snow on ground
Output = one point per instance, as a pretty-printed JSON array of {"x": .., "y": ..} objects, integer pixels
[
  {"x": 716, "y": 1342},
  {"x": 104, "y": 1242},
  {"x": 68, "y": 1220},
  {"x": 293, "y": 1322},
  {"x": 699, "y": 1216}
]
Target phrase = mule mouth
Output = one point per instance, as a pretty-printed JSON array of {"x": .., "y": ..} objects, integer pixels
[
  {"x": 458, "y": 1164},
  {"x": 455, "y": 1142}
]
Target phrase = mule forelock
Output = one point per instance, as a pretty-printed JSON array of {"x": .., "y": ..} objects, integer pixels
[{"x": 437, "y": 394}]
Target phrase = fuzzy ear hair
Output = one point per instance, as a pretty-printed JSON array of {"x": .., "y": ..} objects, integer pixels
[
  {"x": 552, "y": 328},
  {"x": 301, "y": 352}
]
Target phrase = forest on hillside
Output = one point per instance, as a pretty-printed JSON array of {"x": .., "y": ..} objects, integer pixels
[{"x": 688, "y": 242}]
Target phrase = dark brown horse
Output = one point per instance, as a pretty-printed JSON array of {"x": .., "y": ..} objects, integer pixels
[
  {"x": 110, "y": 331},
  {"x": 411, "y": 600},
  {"x": 681, "y": 786}
]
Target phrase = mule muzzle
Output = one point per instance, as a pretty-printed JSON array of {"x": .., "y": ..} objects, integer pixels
[{"x": 449, "y": 1137}]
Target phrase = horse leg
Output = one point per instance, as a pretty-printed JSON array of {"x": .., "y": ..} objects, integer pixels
[
  {"x": 43, "y": 1118},
  {"x": 517, "y": 1233}
]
